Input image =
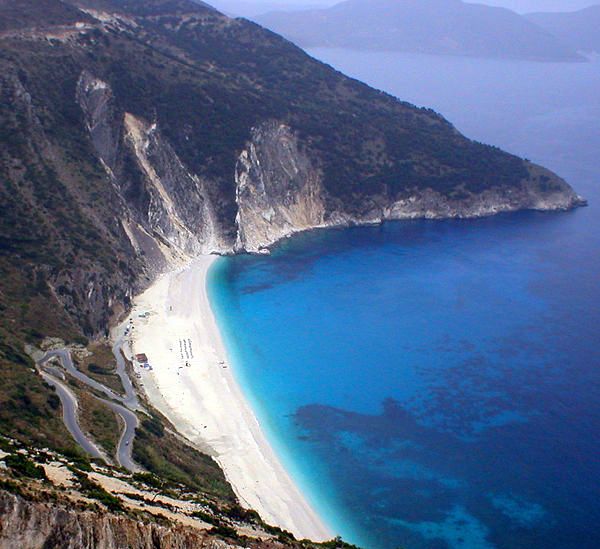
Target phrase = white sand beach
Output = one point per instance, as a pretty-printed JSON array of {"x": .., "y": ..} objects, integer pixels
[{"x": 192, "y": 384}]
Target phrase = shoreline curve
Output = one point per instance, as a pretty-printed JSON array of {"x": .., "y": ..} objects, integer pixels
[{"x": 191, "y": 382}]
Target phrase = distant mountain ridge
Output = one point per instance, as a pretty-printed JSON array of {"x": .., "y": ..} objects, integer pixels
[
  {"x": 578, "y": 29},
  {"x": 426, "y": 26}
]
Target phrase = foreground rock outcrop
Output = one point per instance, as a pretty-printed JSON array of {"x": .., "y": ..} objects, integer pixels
[
  {"x": 33, "y": 525},
  {"x": 37, "y": 525}
]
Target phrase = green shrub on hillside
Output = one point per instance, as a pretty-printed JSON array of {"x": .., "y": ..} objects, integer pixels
[
  {"x": 93, "y": 490},
  {"x": 21, "y": 466}
]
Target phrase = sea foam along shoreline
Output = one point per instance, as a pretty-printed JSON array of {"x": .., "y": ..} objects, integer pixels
[{"x": 174, "y": 325}]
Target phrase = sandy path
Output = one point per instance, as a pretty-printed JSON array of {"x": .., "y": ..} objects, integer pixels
[{"x": 203, "y": 400}]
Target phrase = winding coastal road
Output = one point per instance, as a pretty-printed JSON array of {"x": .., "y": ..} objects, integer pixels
[
  {"x": 121, "y": 405},
  {"x": 67, "y": 363},
  {"x": 126, "y": 441},
  {"x": 69, "y": 406},
  {"x": 130, "y": 400}
]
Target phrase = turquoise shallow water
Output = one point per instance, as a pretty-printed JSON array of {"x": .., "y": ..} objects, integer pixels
[{"x": 435, "y": 384}]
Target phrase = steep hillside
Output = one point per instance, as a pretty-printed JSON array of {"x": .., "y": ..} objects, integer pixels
[
  {"x": 134, "y": 132},
  {"x": 579, "y": 29},
  {"x": 449, "y": 27}
]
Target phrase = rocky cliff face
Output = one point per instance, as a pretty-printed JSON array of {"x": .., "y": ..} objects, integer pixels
[
  {"x": 95, "y": 98},
  {"x": 179, "y": 209},
  {"x": 278, "y": 189},
  {"x": 33, "y": 525},
  {"x": 166, "y": 209}
]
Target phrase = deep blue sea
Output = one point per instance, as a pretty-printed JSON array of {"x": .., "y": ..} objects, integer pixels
[{"x": 436, "y": 384}]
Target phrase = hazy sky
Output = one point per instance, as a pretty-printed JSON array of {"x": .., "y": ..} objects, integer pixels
[{"x": 517, "y": 5}]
